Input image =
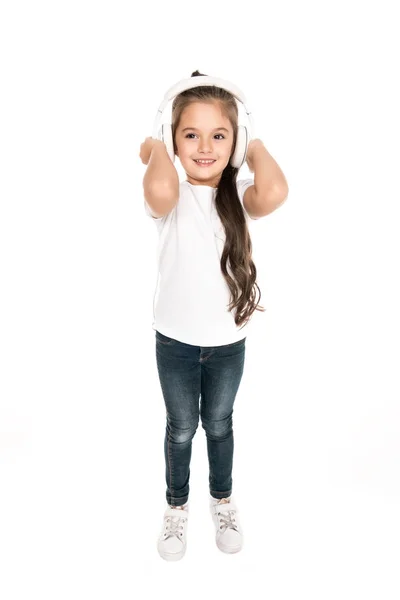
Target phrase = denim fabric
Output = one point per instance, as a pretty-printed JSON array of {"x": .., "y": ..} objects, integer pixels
[{"x": 198, "y": 381}]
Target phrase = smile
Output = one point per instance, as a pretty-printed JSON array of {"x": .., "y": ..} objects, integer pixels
[{"x": 204, "y": 163}]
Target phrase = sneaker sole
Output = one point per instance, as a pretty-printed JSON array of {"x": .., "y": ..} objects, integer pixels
[
  {"x": 229, "y": 550},
  {"x": 168, "y": 556}
]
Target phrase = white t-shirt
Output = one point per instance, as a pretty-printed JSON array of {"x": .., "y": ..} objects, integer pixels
[{"x": 193, "y": 296}]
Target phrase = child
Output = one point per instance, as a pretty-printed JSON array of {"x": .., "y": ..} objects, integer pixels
[{"x": 207, "y": 293}]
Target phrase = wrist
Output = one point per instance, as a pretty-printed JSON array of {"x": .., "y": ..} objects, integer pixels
[{"x": 159, "y": 148}]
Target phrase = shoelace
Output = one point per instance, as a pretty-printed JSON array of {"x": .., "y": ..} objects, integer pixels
[
  {"x": 173, "y": 527},
  {"x": 227, "y": 519}
]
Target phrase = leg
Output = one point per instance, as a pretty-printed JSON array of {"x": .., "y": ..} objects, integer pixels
[
  {"x": 222, "y": 369},
  {"x": 180, "y": 374}
]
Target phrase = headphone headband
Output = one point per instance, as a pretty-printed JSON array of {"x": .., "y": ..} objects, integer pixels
[{"x": 197, "y": 81}]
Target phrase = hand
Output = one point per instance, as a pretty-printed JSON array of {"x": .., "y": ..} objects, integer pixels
[
  {"x": 146, "y": 147},
  {"x": 251, "y": 148}
]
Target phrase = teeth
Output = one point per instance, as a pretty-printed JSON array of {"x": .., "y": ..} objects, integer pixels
[{"x": 205, "y": 161}]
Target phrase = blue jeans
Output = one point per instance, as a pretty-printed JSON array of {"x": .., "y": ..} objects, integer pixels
[{"x": 187, "y": 373}]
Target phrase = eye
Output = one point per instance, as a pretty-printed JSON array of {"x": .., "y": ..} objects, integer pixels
[{"x": 220, "y": 134}]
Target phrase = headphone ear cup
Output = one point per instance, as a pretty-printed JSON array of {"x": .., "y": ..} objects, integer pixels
[
  {"x": 165, "y": 135},
  {"x": 242, "y": 142}
]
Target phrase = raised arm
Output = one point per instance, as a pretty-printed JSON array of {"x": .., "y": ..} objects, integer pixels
[{"x": 161, "y": 181}]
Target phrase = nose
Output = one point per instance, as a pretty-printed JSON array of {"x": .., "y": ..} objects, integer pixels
[{"x": 204, "y": 146}]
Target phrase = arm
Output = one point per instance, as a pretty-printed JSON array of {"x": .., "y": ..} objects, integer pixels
[
  {"x": 161, "y": 181},
  {"x": 270, "y": 187}
]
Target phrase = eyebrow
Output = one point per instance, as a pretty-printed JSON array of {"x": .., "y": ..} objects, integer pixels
[{"x": 216, "y": 129}]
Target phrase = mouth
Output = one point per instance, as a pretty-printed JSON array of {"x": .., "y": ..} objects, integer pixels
[{"x": 204, "y": 162}]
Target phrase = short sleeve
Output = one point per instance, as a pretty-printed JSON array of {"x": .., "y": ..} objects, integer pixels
[
  {"x": 242, "y": 186},
  {"x": 148, "y": 212}
]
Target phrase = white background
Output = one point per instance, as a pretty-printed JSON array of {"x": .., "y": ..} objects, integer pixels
[{"x": 82, "y": 420}]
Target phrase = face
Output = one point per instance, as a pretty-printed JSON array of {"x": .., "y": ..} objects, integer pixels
[{"x": 204, "y": 133}]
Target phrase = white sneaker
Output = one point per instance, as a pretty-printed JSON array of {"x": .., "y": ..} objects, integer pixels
[
  {"x": 229, "y": 534},
  {"x": 172, "y": 540}
]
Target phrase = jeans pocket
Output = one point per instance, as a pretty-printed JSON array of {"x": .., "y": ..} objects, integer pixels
[
  {"x": 163, "y": 339},
  {"x": 239, "y": 343}
]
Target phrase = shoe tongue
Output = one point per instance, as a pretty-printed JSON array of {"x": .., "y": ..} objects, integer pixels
[{"x": 224, "y": 501}]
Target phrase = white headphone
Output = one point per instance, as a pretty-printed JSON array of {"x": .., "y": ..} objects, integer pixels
[{"x": 244, "y": 134}]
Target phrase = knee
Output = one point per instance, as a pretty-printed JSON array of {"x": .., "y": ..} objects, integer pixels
[
  {"x": 217, "y": 428},
  {"x": 181, "y": 432}
]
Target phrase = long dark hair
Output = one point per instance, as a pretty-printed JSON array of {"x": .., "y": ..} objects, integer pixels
[{"x": 238, "y": 247}]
